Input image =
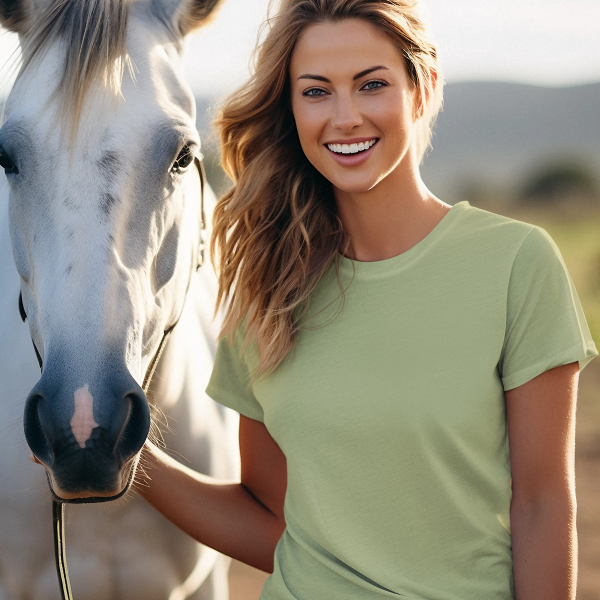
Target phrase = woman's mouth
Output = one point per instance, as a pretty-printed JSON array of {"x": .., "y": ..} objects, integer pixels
[
  {"x": 354, "y": 154},
  {"x": 351, "y": 148}
]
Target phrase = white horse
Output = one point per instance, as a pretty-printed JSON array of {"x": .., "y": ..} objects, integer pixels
[{"x": 102, "y": 213}]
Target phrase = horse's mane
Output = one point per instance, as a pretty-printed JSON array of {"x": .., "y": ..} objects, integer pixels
[{"x": 93, "y": 34}]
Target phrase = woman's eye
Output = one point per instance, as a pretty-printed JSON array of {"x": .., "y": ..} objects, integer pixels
[
  {"x": 183, "y": 161},
  {"x": 373, "y": 85},
  {"x": 314, "y": 92}
]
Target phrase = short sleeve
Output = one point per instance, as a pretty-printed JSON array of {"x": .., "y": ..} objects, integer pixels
[
  {"x": 545, "y": 324},
  {"x": 230, "y": 380}
]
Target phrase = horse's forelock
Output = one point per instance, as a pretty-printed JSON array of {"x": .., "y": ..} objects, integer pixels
[{"x": 93, "y": 33}]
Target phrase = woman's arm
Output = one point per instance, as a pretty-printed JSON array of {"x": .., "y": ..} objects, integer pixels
[
  {"x": 541, "y": 429},
  {"x": 243, "y": 520}
]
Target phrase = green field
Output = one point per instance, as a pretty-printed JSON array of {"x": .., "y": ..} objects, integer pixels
[{"x": 576, "y": 231}]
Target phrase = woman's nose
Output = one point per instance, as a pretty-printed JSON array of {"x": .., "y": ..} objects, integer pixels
[{"x": 346, "y": 115}]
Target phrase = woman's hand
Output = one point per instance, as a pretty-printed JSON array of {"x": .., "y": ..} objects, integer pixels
[{"x": 241, "y": 519}]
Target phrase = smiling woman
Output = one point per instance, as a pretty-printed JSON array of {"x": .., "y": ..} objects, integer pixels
[
  {"x": 405, "y": 370},
  {"x": 332, "y": 103},
  {"x": 379, "y": 99},
  {"x": 355, "y": 56}
]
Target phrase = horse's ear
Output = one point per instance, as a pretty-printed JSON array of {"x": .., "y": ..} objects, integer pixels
[
  {"x": 186, "y": 15},
  {"x": 14, "y": 14}
]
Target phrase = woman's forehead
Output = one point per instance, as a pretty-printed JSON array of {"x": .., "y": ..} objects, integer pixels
[{"x": 342, "y": 48}]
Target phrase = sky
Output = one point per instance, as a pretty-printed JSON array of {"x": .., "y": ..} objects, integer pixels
[{"x": 540, "y": 42}]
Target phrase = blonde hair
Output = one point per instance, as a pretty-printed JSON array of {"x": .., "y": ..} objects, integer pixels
[{"x": 276, "y": 232}]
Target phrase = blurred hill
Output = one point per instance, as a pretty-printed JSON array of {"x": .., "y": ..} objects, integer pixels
[
  {"x": 498, "y": 141},
  {"x": 495, "y": 137}
]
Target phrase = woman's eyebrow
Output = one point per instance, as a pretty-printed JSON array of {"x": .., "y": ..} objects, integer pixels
[
  {"x": 317, "y": 77},
  {"x": 357, "y": 76},
  {"x": 367, "y": 71}
]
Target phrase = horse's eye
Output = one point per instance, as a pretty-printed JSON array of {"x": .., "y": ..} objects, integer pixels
[
  {"x": 183, "y": 161},
  {"x": 7, "y": 163}
]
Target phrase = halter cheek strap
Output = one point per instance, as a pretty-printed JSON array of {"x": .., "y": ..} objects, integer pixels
[
  {"x": 58, "y": 504},
  {"x": 200, "y": 166}
]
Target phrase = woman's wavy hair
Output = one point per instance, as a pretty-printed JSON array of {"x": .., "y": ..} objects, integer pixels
[{"x": 276, "y": 231}]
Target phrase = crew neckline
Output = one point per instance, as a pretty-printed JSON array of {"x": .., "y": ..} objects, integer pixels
[{"x": 381, "y": 266}]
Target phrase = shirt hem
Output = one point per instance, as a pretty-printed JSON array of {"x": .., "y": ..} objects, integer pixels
[
  {"x": 231, "y": 400},
  {"x": 582, "y": 353}
]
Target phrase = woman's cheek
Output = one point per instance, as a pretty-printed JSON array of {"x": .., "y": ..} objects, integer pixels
[
  {"x": 310, "y": 140},
  {"x": 311, "y": 120}
]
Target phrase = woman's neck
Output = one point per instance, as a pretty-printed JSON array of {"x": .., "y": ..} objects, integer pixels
[{"x": 390, "y": 218}]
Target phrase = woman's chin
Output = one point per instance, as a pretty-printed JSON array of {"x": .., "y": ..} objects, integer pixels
[{"x": 354, "y": 185}]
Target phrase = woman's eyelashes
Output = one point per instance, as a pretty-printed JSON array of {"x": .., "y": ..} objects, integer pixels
[
  {"x": 314, "y": 92},
  {"x": 375, "y": 84},
  {"x": 318, "y": 92}
]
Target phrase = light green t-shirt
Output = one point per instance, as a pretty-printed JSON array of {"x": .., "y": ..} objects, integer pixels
[{"x": 392, "y": 416}]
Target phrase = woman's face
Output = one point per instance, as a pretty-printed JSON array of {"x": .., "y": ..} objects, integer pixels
[{"x": 352, "y": 100}]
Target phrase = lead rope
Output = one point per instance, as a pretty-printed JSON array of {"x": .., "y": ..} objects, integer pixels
[
  {"x": 58, "y": 506},
  {"x": 58, "y": 524}
]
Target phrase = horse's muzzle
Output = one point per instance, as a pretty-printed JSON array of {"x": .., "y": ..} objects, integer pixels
[{"x": 87, "y": 436}]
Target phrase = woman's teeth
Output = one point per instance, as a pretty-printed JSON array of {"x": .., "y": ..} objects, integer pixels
[{"x": 351, "y": 148}]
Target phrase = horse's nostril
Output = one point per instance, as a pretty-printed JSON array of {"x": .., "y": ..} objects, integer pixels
[
  {"x": 87, "y": 435},
  {"x": 137, "y": 425},
  {"x": 34, "y": 432}
]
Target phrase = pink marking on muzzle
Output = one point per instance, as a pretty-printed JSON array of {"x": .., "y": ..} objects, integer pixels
[{"x": 82, "y": 422}]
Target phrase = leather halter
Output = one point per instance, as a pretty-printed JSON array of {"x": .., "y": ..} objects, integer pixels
[{"x": 58, "y": 504}]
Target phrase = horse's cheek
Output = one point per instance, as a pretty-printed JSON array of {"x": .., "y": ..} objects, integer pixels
[{"x": 19, "y": 245}]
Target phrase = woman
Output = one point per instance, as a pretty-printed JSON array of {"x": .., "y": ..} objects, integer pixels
[{"x": 382, "y": 347}]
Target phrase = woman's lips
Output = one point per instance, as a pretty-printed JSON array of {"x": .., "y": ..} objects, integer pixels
[{"x": 352, "y": 160}]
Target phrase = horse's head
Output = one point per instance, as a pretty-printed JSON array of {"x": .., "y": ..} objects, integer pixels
[{"x": 98, "y": 147}]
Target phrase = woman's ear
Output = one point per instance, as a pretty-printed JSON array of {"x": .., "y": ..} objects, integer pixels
[
  {"x": 185, "y": 15},
  {"x": 429, "y": 91},
  {"x": 418, "y": 104},
  {"x": 434, "y": 77}
]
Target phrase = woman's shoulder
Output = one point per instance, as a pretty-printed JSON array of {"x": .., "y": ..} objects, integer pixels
[
  {"x": 485, "y": 220},
  {"x": 490, "y": 229},
  {"x": 488, "y": 241}
]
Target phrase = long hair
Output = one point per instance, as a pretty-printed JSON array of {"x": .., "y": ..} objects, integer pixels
[{"x": 276, "y": 231}]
